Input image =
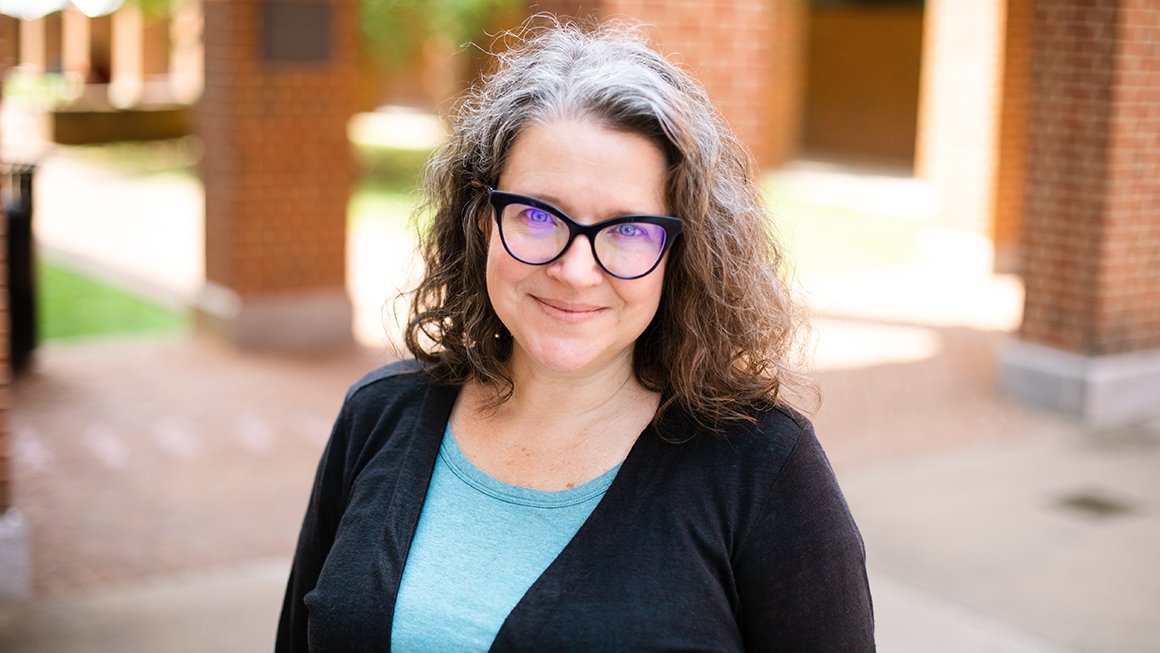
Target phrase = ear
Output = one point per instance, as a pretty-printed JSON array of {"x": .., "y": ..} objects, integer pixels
[
  {"x": 482, "y": 212},
  {"x": 484, "y": 223}
]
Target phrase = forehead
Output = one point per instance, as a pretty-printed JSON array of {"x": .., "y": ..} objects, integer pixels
[{"x": 586, "y": 169}]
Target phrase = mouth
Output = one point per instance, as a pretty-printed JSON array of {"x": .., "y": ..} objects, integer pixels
[{"x": 566, "y": 310}]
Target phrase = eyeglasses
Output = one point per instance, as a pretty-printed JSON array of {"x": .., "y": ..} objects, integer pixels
[{"x": 537, "y": 233}]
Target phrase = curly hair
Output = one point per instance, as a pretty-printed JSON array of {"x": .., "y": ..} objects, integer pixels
[{"x": 723, "y": 338}]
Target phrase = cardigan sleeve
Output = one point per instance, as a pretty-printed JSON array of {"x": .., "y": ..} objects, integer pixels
[
  {"x": 323, "y": 512},
  {"x": 801, "y": 567}
]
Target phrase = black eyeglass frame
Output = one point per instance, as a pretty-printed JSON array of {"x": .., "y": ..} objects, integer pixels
[{"x": 500, "y": 200}]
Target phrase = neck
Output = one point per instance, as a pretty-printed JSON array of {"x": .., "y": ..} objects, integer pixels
[
  {"x": 556, "y": 430},
  {"x": 540, "y": 392},
  {"x": 568, "y": 406}
]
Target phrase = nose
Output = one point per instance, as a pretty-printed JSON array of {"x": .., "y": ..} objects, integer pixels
[{"x": 577, "y": 267}]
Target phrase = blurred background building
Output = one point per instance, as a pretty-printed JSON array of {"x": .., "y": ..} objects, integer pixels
[{"x": 1032, "y": 123}]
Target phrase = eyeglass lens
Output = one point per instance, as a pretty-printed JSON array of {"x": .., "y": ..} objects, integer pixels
[{"x": 626, "y": 249}]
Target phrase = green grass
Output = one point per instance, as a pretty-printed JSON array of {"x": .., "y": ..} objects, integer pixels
[
  {"x": 387, "y": 190},
  {"x": 143, "y": 158},
  {"x": 393, "y": 167},
  {"x": 71, "y": 305},
  {"x": 387, "y": 205}
]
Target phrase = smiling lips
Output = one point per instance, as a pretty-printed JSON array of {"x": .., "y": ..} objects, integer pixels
[{"x": 567, "y": 311}]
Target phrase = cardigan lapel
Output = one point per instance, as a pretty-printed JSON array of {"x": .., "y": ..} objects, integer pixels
[{"x": 410, "y": 492}]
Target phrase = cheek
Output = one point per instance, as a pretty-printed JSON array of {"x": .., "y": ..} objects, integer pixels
[
  {"x": 502, "y": 272},
  {"x": 644, "y": 295},
  {"x": 491, "y": 271},
  {"x": 497, "y": 257}
]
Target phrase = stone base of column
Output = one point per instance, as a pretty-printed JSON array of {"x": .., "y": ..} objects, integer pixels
[
  {"x": 15, "y": 560},
  {"x": 1102, "y": 391},
  {"x": 298, "y": 321}
]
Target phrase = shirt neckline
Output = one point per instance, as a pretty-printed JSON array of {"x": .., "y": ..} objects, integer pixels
[{"x": 469, "y": 473}]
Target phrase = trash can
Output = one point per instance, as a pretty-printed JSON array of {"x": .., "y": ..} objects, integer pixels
[{"x": 16, "y": 187}]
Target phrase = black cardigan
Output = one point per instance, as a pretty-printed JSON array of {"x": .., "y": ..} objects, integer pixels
[{"x": 741, "y": 542}]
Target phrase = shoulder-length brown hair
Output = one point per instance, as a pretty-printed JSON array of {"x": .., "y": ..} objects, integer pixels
[{"x": 723, "y": 337}]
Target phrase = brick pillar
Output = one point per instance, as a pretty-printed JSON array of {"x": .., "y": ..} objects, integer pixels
[
  {"x": 277, "y": 169},
  {"x": 1089, "y": 344},
  {"x": 958, "y": 107},
  {"x": 786, "y": 77},
  {"x": 747, "y": 53},
  {"x": 9, "y": 48},
  {"x": 1007, "y": 208}
]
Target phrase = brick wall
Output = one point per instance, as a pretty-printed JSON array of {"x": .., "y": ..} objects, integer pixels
[
  {"x": 277, "y": 166},
  {"x": 862, "y": 82},
  {"x": 9, "y": 47},
  {"x": 1127, "y": 316},
  {"x": 1091, "y": 241},
  {"x": 786, "y": 78},
  {"x": 958, "y": 107},
  {"x": 747, "y": 53},
  {"x": 728, "y": 49}
]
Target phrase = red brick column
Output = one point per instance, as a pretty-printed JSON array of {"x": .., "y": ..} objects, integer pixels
[
  {"x": 1090, "y": 340},
  {"x": 747, "y": 53},
  {"x": 279, "y": 89},
  {"x": 786, "y": 54},
  {"x": 729, "y": 48}
]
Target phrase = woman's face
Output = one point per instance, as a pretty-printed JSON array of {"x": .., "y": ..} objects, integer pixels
[{"x": 569, "y": 317}]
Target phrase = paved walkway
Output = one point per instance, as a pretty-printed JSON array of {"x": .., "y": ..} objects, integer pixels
[{"x": 163, "y": 480}]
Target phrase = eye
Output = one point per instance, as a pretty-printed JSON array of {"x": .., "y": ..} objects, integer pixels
[
  {"x": 629, "y": 230},
  {"x": 539, "y": 216}
]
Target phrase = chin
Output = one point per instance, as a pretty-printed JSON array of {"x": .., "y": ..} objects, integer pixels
[{"x": 570, "y": 360}]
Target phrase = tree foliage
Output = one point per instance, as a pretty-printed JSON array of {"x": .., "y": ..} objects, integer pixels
[{"x": 393, "y": 31}]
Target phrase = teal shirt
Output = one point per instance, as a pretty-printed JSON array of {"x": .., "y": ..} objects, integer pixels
[{"x": 479, "y": 546}]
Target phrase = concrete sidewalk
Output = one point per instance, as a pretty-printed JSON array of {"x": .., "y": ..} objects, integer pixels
[{"x": 163, "y": 480}]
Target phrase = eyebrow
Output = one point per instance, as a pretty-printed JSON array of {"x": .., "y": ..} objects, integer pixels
[{"x": 555, "y": 202}]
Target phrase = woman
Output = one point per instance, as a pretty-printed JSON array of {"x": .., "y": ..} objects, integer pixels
[{"x": 592, "y": 449}]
